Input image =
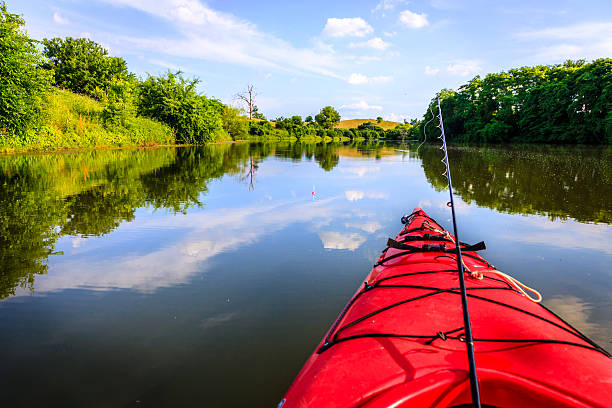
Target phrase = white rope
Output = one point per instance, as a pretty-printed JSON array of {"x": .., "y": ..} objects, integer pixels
[{"x": 518, "y": 285}]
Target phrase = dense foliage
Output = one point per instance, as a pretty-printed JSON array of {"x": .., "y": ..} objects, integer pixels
[
  {"x": 568, "y": 103},
  {"x": 23, "y": 83},
  {"x": 328, "y": 117},
  {"x": 173, "y": 100},
  {"x": 84, "y": 66}
]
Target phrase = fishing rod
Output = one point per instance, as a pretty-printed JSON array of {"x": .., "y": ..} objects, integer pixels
[{"x": 469, "y": 341}]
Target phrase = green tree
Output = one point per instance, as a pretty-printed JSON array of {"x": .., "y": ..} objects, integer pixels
[
  {"x": 257, "y": 114},
  {"x": 328, "y": 117},
  {"x": 23, "y": 83},
  {"x": 565, "y": 103},
  {"x": 83, "y": 66},
  {"x": 236, "y": 125},
  {"x": 172, "y": 99},
  {"x": 379, "y": 119},
  {"x": 297, "y": 120},
  {"x": 308, "y": 119}
]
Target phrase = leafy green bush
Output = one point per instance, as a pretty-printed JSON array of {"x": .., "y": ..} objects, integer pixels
[
  {"x": 236, "y": 125},
  {"x": 261, "y": 128},
  {"x": 23, "y": 83},
  {"x": 328, "y": 117},
  {"x": 84, "y": 66},
  {"x": 173, "y": 100}
]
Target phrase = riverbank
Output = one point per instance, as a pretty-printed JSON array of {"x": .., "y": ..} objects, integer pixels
[
  {"x": 76, "y": 122},
  {"x": 72, "y": 121}
]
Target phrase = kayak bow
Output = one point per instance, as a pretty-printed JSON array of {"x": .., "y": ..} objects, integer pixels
[{"x": 400, "y": 339}]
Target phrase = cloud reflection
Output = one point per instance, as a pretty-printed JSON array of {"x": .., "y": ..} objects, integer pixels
[
  {"x": 205, "y": 235},
  {"x": 367, "y": 226},
  {"x": 354, "y": 195},
  {"x": 338, "y": 240},
  {"x": 577, "y": 312},
  {"x": 563, "y": 234}
]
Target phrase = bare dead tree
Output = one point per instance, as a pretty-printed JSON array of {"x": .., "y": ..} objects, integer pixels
[
  {"x": 250, "y": 175},
  {"x": 248, "y": 97}
]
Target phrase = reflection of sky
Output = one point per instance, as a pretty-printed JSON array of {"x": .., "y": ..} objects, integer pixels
[
  {"x": 356, "y": 206},
  {"x": 161, "y": 250},
  {"x": 197, "y": 302}
]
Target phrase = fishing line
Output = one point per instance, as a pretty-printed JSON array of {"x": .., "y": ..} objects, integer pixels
[{"x": 425, "y": 130}]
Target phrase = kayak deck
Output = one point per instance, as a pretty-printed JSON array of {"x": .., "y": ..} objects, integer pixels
[{"x": 400, "y": 339}]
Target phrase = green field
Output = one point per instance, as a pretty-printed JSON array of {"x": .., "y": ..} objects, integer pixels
[{"x": 353, "y": 123}]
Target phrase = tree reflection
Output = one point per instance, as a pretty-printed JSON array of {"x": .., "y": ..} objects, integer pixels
[
  {"x": 555, "y": 181},
  {"x": 46, "y": 197}
]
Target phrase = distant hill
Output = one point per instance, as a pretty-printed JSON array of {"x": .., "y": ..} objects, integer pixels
[{"x": 353, "y": 123}]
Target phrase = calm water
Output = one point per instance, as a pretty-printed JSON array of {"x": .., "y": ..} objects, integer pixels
[{"x": 206, "y": 276}]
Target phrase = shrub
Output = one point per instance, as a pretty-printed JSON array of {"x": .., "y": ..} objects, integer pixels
[
  {"x": 173, "y": 100},
  {"x": 23, "y": 83},
  {"x": 83, "y": 66}
]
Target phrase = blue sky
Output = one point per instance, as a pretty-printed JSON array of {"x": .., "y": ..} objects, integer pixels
[{"x": 366, "y": 58}]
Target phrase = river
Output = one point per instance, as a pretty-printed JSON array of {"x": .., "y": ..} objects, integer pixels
[{"x": 205, "y": 276}]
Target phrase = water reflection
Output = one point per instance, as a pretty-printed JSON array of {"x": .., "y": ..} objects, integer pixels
[
  {"x": 181, "y": 274},
  {"x": 46, "y": 197},
  {"x": 560, "y": 182}
]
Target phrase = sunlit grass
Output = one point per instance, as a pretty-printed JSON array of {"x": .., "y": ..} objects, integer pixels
[
  {"x": 76, "y": 121},
  {"x": 353, "y": 123}
]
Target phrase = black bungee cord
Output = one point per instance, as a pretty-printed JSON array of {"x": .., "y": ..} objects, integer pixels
[{"x": 469, "y": 340}]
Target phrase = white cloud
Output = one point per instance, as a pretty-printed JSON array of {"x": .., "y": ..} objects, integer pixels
[
  {"x": 360, "y": 79},
  {"x": 390, "y": 34},
  {"x": 387, "y": 5},
  {"x": 207, "y": 34},
  {"x": 394, "y": 117},
  {"x": 464, "y": 68},
  {"x": 59, "y": 19},
  {"x": 376, "y": 43},
  {"x": 347, "y": 27},
  {"x": 431, "y": 71},
  {"x": 354, "y": 195},
  {"x": 357, "y": 79},
  {"x": 361, "y": 106},
  {"x": 585, "y": 40},
  {"x": 338, "y": 240},
  {"x": 413, "y": 20}
]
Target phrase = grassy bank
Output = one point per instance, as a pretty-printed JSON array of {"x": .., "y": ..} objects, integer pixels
[
  {"x": 77, "y": 121},
  {"x": 354, "y": 123}
]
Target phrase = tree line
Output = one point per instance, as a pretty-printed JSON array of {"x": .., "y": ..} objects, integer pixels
[
  {"x": 565, "y": 103},
  {"x": 31, "y": 71}
]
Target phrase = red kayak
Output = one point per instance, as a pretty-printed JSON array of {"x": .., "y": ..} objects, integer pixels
[{"x": 400, "y": 340}]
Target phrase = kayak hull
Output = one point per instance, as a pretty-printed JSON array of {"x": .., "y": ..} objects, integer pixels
[{"x": 399, "y": 341}]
